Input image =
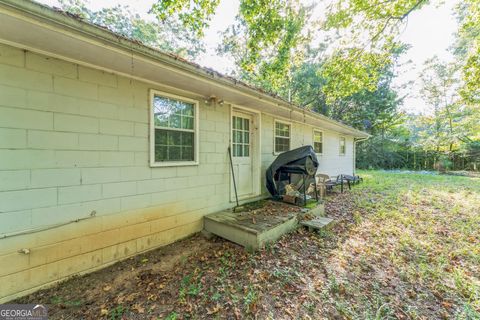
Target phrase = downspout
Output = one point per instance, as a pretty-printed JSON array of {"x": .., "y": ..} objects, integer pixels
[{"x": 355, "y": 140}]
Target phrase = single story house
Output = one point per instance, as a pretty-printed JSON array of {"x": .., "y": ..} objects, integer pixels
[{"x": 109, "y": 148}]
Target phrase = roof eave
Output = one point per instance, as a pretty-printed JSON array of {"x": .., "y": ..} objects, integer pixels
[{"x": 77, "y": 25}]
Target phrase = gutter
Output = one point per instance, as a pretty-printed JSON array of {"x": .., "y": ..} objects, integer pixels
[
  {"x": 361, "y": 139},
  {"x": 74, "y": 24}
]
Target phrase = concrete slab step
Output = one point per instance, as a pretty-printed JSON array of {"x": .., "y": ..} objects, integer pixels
[{"x": 318, "y": 223}]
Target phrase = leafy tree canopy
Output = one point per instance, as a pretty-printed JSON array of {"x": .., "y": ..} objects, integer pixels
[
  {"x": 169, "y": 35},
  {"x": 265, "y": 42},
  {"x": 467, "y": 49},
  {"x": 195, "y": 15},
  {"x": 348, "y": 76}
]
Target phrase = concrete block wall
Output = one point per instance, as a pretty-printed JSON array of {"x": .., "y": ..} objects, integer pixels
[
  {"x": 74, "y": 145},
  {"x": 330, "y": 161}
]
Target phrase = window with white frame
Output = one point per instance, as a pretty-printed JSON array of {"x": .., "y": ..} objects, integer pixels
[
  {"x": 282, "y": 136},
  {"x": 318, "y": 141},
  {"x": 174, "y": 129},
  {"x": 342, "y": 146}
]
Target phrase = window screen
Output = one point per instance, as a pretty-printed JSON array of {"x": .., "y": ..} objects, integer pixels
[
  {"x": 282, "y": 137},
  {"x": 318, "y": 141},
  {"x": 174, "y": 122}
]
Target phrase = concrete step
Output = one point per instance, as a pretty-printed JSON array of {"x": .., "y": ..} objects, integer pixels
[{"x": 318, "y": 223}]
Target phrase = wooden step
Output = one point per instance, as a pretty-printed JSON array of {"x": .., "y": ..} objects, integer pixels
[{"x": 240, "y": 228}]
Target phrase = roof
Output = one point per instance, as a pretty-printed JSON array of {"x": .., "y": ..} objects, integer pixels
[{"x": 45, "y": 30}]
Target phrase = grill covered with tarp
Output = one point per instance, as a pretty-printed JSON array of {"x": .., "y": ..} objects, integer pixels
[{"x": 302, "y": 161}]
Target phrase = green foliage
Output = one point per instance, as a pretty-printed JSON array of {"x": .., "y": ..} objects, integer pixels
[
  {"x": 377, "y": 16},
  {"x": 306, "y": 85},
  {"x": 467, "y": 49},
  {"x": 118, "y": 312},
  {"x": 194, "y": 15},
  {"x": 350, "y": 71},
  {"x": 263, "y": 40},
  {"x": 440, "y": 91},
  {"x": 190, "y": 286},
  {"x": 471, "y": 90},
  {"x": 266, "y": 41},
  {"x": 369, "y": 29},
  {"x": 172, "y": 316},
  {"x": 168, "y": 36},
  {"x": 438, "y": 139},
  {"x": 347, "y": 77}
]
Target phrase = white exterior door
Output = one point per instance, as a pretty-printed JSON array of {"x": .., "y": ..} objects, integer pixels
[{"x": 242, "y": 154}]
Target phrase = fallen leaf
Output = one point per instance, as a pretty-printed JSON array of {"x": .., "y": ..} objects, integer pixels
[
  {"x": 213, "y": 310},
  {"x": 237, "y": 313},
  {"x": 138, "y": 307}
]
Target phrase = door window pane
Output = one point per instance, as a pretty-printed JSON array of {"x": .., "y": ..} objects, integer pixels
[
  {"x": 241, "y": 136},
  {"x": 246, "y": 150}
]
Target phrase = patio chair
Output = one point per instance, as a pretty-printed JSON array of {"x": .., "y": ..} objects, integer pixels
[
  {"x": 352, "y": 179},
  {"x": 324, "y": 183}
]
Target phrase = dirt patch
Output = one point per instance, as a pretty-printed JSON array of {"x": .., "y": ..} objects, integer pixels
[
  {"x": 268, "y": 208},
  {"x": 264, "y": 214},
  {"x": 90, "y": 296}
]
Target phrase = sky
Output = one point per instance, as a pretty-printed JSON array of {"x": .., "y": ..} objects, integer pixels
[{"x": 429, "y": 32}]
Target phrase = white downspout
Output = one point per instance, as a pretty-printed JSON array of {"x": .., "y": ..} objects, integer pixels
[{"x": 355, "y": 140}]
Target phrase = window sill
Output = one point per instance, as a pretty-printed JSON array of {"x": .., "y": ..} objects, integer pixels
[{"x": 174, "y": 164}]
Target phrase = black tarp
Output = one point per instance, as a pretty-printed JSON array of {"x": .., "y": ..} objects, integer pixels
[{"x": 293, "y": 157}]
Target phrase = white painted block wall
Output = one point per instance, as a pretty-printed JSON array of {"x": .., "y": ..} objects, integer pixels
[
  {"x": 330, "y": 161},
  {"x": 74, "y": 142}
]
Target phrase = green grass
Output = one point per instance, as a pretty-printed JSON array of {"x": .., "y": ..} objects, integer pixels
[{"x": 421, "y": 232}]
